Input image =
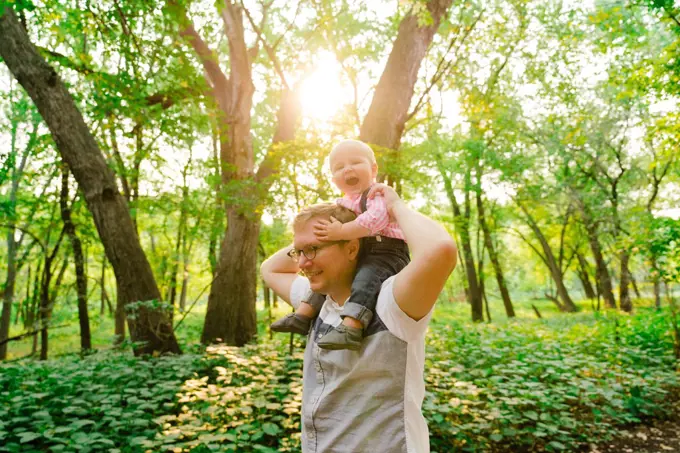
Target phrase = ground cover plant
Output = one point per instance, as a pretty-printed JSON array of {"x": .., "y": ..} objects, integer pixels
[{"x": 553, "y": 384}]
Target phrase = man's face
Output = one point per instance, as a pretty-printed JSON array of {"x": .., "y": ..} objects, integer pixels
[
  {"x": 352, "y": 169},
  {"x": 332, "y": 266}
]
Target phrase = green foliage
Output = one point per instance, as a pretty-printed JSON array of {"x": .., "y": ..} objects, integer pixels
[
  {"x": 525, "y": 385},
  {"x": 550, "y": 385}
]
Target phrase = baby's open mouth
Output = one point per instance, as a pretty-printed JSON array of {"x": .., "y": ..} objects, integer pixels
[{"x": 352, "y": 181}]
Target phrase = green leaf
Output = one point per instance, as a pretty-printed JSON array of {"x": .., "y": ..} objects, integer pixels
[{"x": 28, "y": 436}]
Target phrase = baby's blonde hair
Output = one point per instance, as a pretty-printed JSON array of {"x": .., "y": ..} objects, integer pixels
[{"x": 358, "y": 144}]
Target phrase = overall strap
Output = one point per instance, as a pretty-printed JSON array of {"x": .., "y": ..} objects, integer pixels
[{"x": 364, "y": 197}]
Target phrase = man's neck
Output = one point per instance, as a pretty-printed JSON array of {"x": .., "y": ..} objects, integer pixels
[{"x": 340, "y": 296}]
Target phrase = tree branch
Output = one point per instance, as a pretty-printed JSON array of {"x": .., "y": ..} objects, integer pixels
[
  {"x": 441, "y": 69},
  {"x": 269, "y": 49},
  {"x": 207, "y": 56}
]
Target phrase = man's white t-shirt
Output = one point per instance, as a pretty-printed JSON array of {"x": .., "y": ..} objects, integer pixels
[{"x": 384, "y": 382}]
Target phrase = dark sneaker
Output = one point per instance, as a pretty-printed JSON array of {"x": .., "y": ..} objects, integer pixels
[
  {"x": 342, "y": 337},
  {"x": 292, "y": 323}
]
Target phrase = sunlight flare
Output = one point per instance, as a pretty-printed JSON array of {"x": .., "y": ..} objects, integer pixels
[{"x": 323, "y": 92}]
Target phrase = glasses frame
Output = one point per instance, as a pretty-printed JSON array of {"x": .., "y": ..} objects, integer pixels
[{"x": 310, "y": 252}]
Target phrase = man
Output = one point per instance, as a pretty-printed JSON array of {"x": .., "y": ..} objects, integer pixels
[{"x": 367, "y": 400}]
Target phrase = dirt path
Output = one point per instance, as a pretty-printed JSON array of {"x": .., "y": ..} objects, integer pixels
[{"x": 659, "y": 437}]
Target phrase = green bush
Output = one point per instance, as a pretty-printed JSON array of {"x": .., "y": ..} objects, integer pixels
[{"x": 525, "y": 385}]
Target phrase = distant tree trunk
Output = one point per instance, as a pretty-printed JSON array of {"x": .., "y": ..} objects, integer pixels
[
  {"x": 493, "y": 256},
  {"x": 185, "y": 284},
  {"x": 656, "y": 280},
  {"x": 218, "y": 210},
  {"x": 104, "y": 296},
  {"x": 604, "y": 280},
  {"x": 386, "y": 117},
  {"x": 45, "y": 300},
  {"x": 584, "y": 276},
  {"x": 267, "y": 296},
  {"x": 633, "y": 282},
  {"x": 548, "y": 257},
  {"x": 119, "y": 318},
  {"x": 186, "y": 251},
  {"x": 21, "y": 309},
  {"x": 624, "y": 289},
  {"x": 12, "y": 245},
  {"x": 8, "y": 296},
  {"x": 462, "y": 222},
  {"x": 150, "y": 328},
  {"x": 180, "y": 244},
  {"x": 81, "y": 278}
]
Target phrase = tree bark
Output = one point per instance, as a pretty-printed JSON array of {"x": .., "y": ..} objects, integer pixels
[
  {"x": 232, "y": 299},
  {"x": 624, "y": 284},
  {"x": 603, "y": 277},
  {"x": 150, "y": 328},
  {"x": 584, "y": 276},
  {"x": 12, "y": 245},
  {"x": 81, "y": 278},
  {"x": 45, "y": 299},
  {"x": 386, "y": 117},
  {"x": 493, "y": 256},
  {"x": 231, "y": 312},
  {"x": 103, "y": 295},
  {"x": 567, "y": 304},
  {"x": 462, "y": 222}
]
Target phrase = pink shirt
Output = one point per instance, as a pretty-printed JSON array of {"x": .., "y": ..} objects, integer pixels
[{"x": 376, "y": 218}]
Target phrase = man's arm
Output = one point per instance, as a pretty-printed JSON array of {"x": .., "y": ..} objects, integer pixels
[
  {"x": 279, "y": 272},
  {"x": 433, "y": 257}
]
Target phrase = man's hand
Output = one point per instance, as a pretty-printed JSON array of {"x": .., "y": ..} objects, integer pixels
[
  {"x": 388, "y": 193},
  {"x": 328, "y": 230}
]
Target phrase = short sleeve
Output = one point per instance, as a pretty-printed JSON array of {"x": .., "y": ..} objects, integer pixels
[
  {"x": 397, "y": 322},
  {"x": 299, "y": 291},
  {"x": 376, "y": 217}
]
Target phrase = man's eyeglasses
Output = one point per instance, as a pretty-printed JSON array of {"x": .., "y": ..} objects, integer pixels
[{"x": 309, "y": 252}]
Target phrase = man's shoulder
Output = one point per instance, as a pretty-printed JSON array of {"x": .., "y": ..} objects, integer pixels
[{"x": 393, "y": 317}]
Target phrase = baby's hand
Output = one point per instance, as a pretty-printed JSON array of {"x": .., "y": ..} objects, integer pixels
[
  {"x": 326, "y": 230},
  {"x": 388, "y": 194}
]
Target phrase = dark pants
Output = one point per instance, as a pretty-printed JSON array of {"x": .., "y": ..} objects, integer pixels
[{"x": 379, "y": 259}]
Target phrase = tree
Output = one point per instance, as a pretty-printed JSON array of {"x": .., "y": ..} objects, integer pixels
[
  {"x": 78, "y": 261},
  {"x": 148, "y": 325}
]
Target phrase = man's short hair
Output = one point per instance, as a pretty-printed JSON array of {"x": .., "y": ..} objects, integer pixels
[{"x": 325, "y": 211}]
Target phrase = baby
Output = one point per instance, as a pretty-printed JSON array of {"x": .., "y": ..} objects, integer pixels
[{"x": 383, "y": 250}]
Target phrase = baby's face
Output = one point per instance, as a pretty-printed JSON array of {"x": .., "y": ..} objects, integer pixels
[{"x": 353, "y": 170}]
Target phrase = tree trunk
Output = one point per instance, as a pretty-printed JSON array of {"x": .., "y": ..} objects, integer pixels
[
  {"x": 150, "y": 328},
  {"x": 462, "y": 222},
  {"x": 45, "y": 299},
  {"x": 567, "y": 304},
  {"x": 12, "y": 245},
  {"x": 656, "y": 279},
  {"x": 231, "y": 315},
  {"x": 604, "y": 280},
  {"x": 119, "y": 318},
  {"x": 104, "y": 296},
  {"x": 493, "y": 256},
  {"x": 81, "y": 278},
  {"x": 624, "y": 289},
  {"x": 584, "y": 276},
  {"x": 633, "y": 282},
  {"x": 8, "y": 296},
  {"x": 185, "y": 284},
  {"x": 386, "y": 117}
]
